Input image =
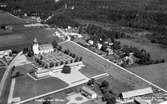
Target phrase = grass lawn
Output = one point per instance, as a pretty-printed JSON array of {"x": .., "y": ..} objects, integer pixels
[
  {"x": 26, "y": 87},
  {"x": 98, "y": 63},
  {"x": 2, "y": 70},
  {"x": 155, "y": 51},
  {"x": 155, "y": 73},
  {"x": 24, "y": 68},
  {"x": 90, "y": 71}
]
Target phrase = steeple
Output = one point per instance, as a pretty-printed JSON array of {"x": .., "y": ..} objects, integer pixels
[{"x": 35, "y": 41}]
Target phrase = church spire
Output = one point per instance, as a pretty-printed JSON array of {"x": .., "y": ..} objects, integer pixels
[{"x": 35, "y": 41}]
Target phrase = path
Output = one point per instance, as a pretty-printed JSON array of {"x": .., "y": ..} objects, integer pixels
[
  {"x": 10, "y": 98},
  {"x": 5, "y": 76}
]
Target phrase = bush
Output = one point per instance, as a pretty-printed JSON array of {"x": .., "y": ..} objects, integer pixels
[
  {"x": 104, "y": 84},
  {"x": 66, "y": 69}
]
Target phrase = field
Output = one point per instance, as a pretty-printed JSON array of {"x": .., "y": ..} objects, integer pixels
[
  {"x": 121, "y": 77},
  {"x": 6, "y": 18},
  {"x": 90, "y": 71},
  {"x": 155, "y": 73},
  {"x": 156, "y": 52},
  {"x": 24, "y": 37},
  {"x": 27, "y": 87}
]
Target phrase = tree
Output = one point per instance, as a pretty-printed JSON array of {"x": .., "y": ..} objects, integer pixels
[
  {"x": 76, "y": 59},
  {"x": 24, "y": 51},
  {"x": 51, "y": 64},
  {"x": 73, "y": 55},
  {"x": 17, "y": 74},
  {"x": 80, "y": 59},
  {"x": 66, "y": 69},
  {"x": 59, "y": 48},
  {"x": 61, "y": 63},
  {"x": 47, "y": 101},
  {"x": 54, "y": 43},
  {"x": 109, "y": 98},
  {"x": 104, "y": 84},
  {"x": 91, "y": 82}
]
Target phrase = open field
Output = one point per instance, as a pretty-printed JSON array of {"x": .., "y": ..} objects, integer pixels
[
  {"x": 155, "y": 73},
  {"x": 117, "y": 74},
  {"x": 90, "y": 70},
  {"x": 23, "y": 38},
  {"x": 156, "y": 52},
  {"x": 26, "y": 87},
  {"x": 6, "y": 18}
]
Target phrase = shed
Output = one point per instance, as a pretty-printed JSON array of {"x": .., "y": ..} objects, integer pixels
[
  {"x": 88, "y": 92},
  {"x": 135, "y": 93}
]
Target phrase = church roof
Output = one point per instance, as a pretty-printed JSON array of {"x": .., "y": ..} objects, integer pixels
[{"x": 45, "y": 46}]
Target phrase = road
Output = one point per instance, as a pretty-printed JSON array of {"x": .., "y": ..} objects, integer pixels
[{"x": 7, "y": 72}]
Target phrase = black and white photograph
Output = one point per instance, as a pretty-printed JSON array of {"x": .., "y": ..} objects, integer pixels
[{"x": 83, "y": 51}]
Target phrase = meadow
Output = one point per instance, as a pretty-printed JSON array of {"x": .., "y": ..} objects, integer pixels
[
  {"x": 21, "y": 38},
  {"x": 155, "y": 73}
]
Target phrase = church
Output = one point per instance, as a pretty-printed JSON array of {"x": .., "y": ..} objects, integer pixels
[{"x": 43, "y": 48}]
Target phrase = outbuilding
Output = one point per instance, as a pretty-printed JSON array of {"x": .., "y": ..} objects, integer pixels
[{"x": 88, "y": 92}]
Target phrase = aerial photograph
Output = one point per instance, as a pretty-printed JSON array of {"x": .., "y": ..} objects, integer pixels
[{"x": 83, "y": 51}]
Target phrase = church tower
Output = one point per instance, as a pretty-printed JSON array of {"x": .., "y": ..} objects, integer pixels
[{"x": 35, "y": 46}]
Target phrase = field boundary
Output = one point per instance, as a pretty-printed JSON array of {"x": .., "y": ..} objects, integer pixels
[{"x": 121, "y": 68}]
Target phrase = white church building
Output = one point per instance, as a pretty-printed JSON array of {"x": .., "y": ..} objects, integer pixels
[{"x": 43, "y": 48}]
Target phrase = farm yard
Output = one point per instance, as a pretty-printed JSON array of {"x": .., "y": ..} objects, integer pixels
[
  {"x": 98, "y": 63},
  {"x": 156, "y": 52}
]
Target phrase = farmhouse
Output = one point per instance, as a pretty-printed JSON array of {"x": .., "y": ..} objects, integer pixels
[{"x": 40, "y": 49}]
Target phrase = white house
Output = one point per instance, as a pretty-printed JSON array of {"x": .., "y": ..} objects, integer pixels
[
  {"x": 99, "y": 45},
  {"x": 40, "y": 49},
  {"x": 91, "y": 42}
]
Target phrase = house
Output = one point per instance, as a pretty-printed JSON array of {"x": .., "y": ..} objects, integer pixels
[
  {"x": 91, "y": 42},
  {"x": 130, "y": 59},
  {"x": 88, "y": 92},
  {"x": 99, "y": 45},
  {"x": 110, "y": 51},
  {"x": 40, "y": 49}
]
